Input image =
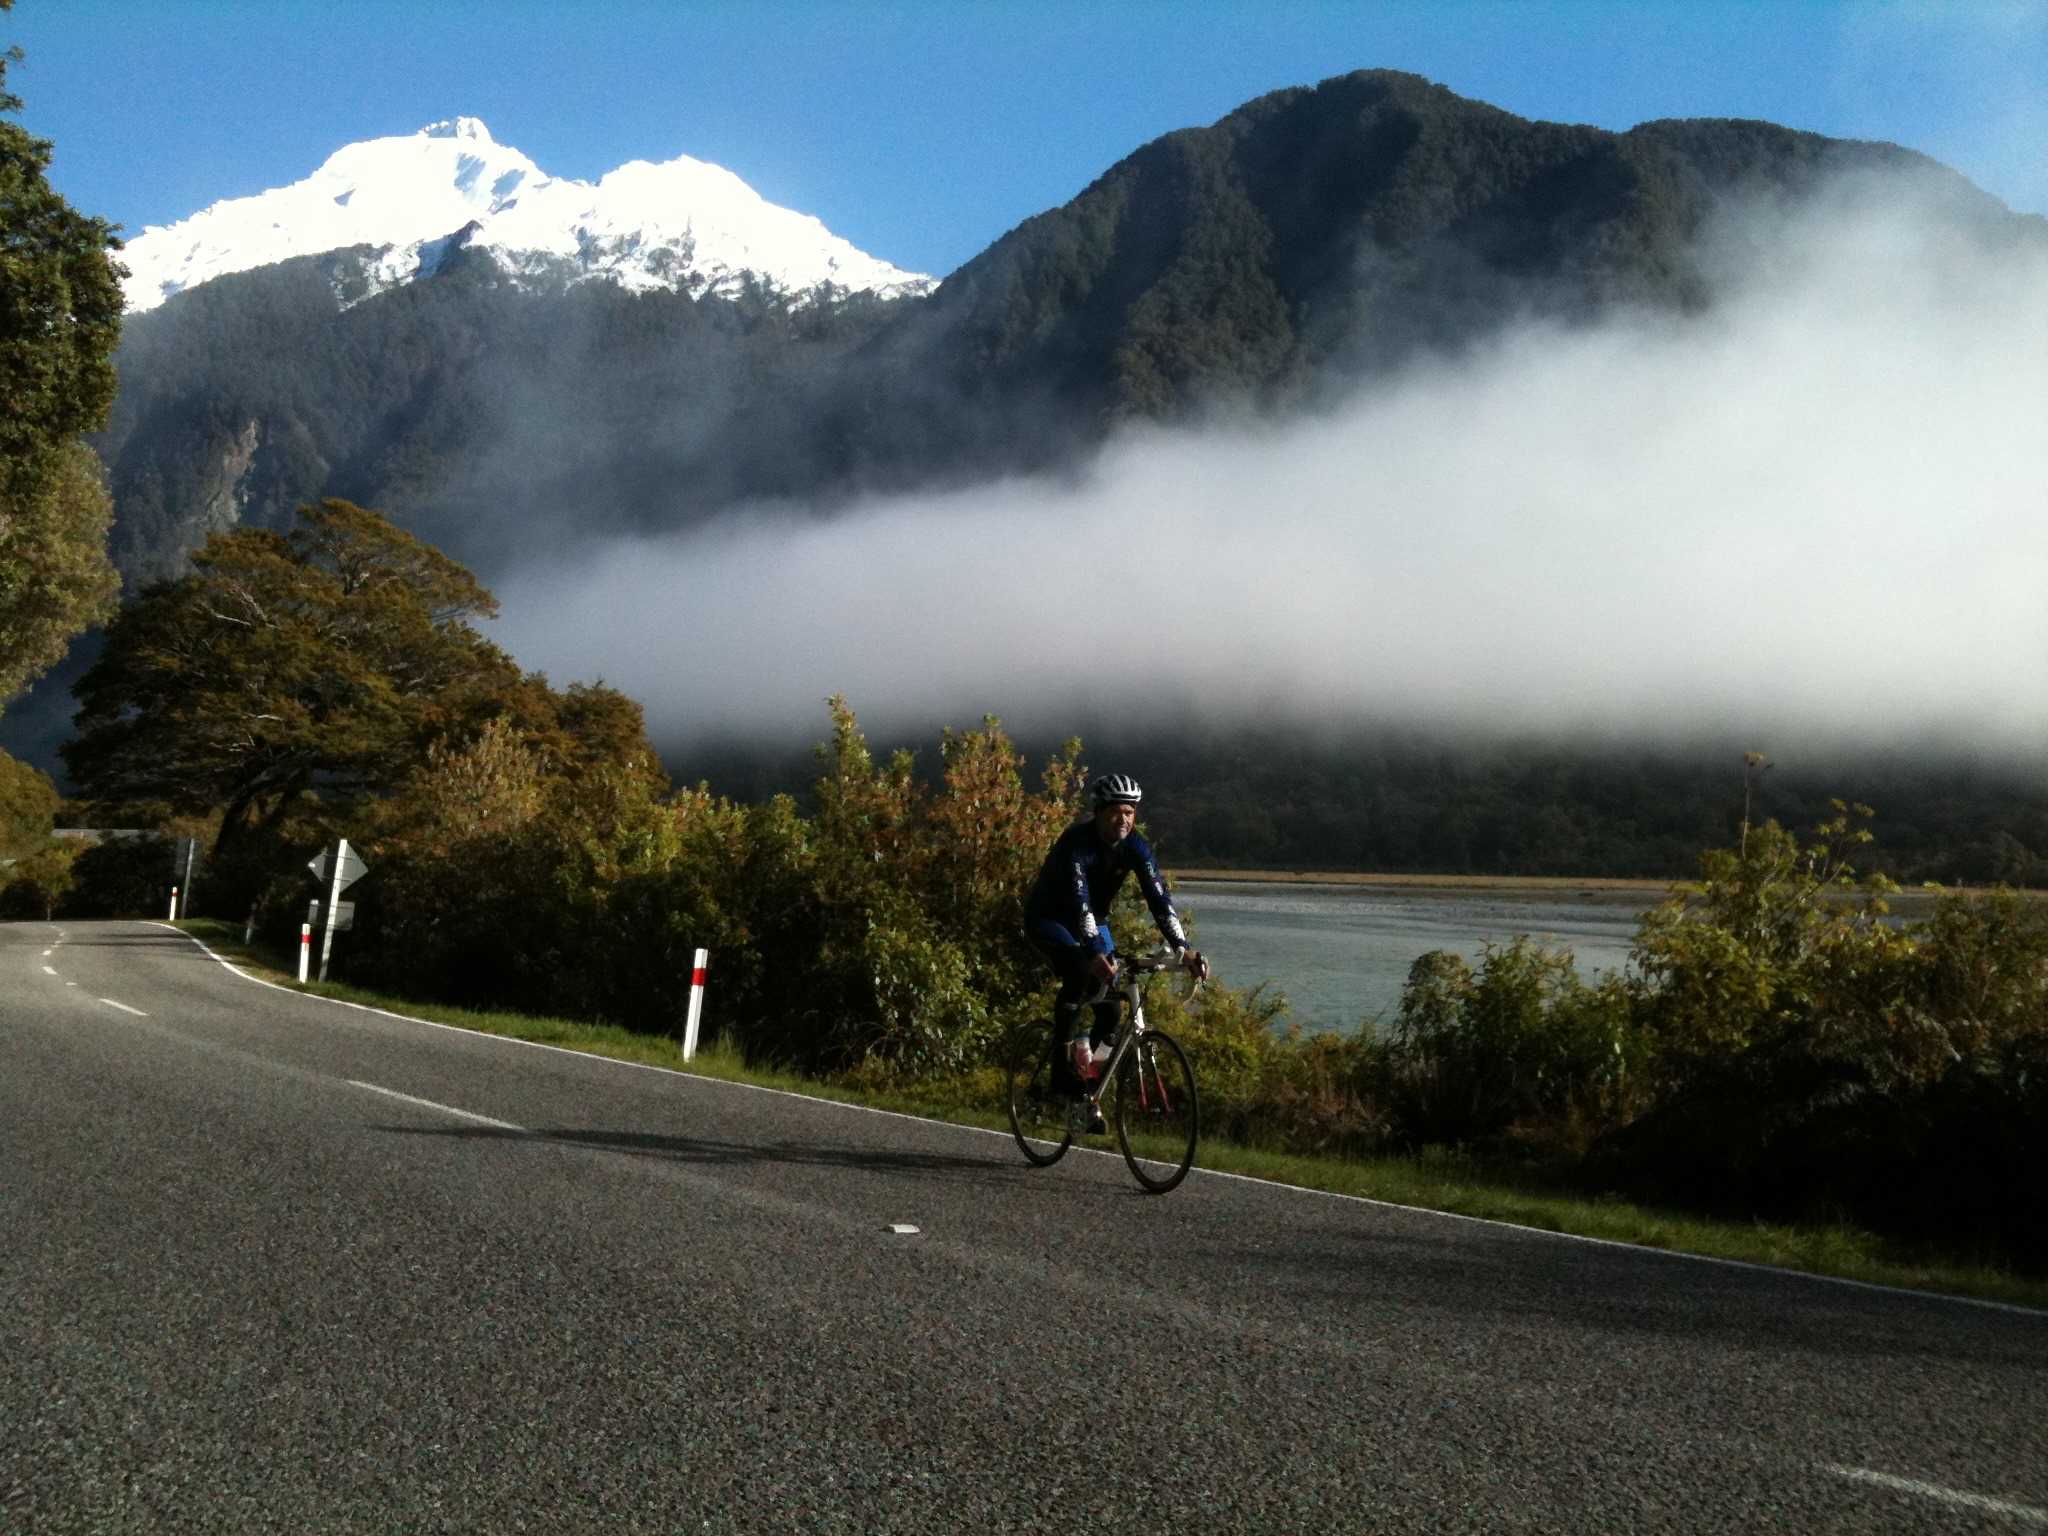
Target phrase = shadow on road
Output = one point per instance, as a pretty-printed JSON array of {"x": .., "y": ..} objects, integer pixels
[
  {"x": 704, "y": 1152},
  {"x": 1515, "y": 1277}
]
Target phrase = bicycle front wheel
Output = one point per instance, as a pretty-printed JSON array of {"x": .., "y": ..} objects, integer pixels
[
  {"x": 1038, "y": 1116},
  {"x": 1158, "y": 1117}
]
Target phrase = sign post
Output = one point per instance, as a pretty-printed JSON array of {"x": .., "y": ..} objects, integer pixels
[
  {"x": 340, "y": 869},
  {"x": 184, "y": 862}
]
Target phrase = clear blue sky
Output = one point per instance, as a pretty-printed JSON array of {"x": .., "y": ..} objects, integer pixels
[{"x": 923, "y": 130}]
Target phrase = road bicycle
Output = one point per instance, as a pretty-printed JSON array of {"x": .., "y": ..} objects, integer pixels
[{"x": 1146, "y": 1078}]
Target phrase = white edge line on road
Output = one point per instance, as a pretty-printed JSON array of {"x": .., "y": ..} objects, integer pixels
[
  {"x": 1212, "y": 1173},
  {"x": 446, "y": 1109},
  {"x": 124, "y": 1008},
  {"x": 1935, "y": 1491}
]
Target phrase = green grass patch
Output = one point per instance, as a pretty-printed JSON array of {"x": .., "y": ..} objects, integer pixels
[{"x": 1437, "y": 1181}]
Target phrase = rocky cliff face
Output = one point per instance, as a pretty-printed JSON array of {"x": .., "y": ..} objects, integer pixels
[{"x": 220, "y": 507}]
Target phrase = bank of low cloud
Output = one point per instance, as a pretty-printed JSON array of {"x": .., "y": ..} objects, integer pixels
[{"x": 1817, "y": 507}]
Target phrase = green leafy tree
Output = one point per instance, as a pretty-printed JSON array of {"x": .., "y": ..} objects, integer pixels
[
  {"x": 1520, "y": 1041},
  {"x": 1781, "y": 954},
  {"x": 28, "y": 808},
  {"x": 334, "y": 654},
  {"x": 35, "y": 887},
  {"x": 60, "y": 317},
  {"x": 1812, "y": 1056},
  {"x": 119, "y": 877}
]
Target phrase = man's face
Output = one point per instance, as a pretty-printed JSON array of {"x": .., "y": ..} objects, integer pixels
[{"x": 1113, "y": 823}]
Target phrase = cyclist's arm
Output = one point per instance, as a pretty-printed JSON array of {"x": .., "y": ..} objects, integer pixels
[
  {"x": 1153, "y": 887},
  {"x": 1093, "y": 938}
]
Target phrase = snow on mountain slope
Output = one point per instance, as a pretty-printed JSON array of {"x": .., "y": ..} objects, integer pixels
[{"x": 682, "y": 224}]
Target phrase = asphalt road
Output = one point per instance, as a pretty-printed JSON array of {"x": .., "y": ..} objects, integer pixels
[{"x": 269, "y": 1263}]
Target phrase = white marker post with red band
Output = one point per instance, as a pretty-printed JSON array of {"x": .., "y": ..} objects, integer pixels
[
  {"x": 696, "y": 1003},
  {"x": 305, "y": 949}
]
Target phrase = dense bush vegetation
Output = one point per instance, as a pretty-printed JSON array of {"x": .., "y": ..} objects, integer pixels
[{"x": 880, "y": 934}]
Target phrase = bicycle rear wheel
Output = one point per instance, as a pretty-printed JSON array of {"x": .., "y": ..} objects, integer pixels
[
  {"x": 1038, "y": 1116},
  {"x": 1158, "y": 1117}
]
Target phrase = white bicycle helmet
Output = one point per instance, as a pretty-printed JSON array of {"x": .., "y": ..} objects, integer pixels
[{"x": 1114, "y": 789}]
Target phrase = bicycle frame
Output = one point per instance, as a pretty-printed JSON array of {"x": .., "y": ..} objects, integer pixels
[{"x": 1130, "y": 983}]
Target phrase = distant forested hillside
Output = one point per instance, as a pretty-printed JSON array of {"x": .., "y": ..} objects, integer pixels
[{"x": 1397, "y": 800}]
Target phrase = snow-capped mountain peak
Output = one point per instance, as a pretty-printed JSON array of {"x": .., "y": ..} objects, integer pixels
[
  {"x": 457, "y": 128},
  {"x": 683, "y": 223}
]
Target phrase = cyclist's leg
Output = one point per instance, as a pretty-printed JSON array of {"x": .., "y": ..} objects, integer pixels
[
  {"x": 1069, "y": 961},
  {"x": 1106, "y": 1014},
  {"x": 1108, "y": 1010}
]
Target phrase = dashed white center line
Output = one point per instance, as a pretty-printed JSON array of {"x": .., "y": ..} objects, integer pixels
[
  {"x": 1952, "y": 1496},
  {"x": 49, "y": 970},
  {"x": 446, "y": 1109},
  {"x": 124, "y": 1008}
]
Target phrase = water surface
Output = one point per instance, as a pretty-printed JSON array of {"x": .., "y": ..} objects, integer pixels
[{"x": 1340, "y": 953}]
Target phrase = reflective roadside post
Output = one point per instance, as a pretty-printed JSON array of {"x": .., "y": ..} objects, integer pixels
[{"x": 696, "y": 1003}]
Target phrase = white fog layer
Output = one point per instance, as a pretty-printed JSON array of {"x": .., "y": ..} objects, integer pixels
[{"x": 1822, "y": 505}]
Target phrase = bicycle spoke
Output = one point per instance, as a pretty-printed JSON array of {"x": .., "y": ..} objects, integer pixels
[{"x": 1158, "y": 1118}]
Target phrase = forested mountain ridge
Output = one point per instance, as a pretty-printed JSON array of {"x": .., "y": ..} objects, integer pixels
[{"x": 1313, "y": 238}]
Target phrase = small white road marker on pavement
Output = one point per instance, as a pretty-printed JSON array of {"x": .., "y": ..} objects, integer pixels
[
  {"x": 124, "y": 1008},
  {"x": 902, "y": 1228}
]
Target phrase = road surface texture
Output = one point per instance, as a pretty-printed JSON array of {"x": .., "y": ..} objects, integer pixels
[{"x": 270, "y": 1263}]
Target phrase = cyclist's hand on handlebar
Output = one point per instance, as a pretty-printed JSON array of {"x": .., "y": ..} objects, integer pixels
[
  {"x": 1103, "y": 968},
  {"x": 1196, "y": 966}
]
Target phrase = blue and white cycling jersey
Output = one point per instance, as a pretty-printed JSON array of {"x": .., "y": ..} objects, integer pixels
[{"x": 1080, "y": 879}]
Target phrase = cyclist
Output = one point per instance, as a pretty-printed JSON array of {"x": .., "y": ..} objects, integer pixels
[{"x": 1065, "y": 919}]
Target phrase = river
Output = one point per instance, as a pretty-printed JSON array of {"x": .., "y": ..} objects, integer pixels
[{"x": 1339, "y": 953}]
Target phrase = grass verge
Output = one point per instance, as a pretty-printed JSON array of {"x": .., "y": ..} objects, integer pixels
[{"x": 1437, "y": 1181}]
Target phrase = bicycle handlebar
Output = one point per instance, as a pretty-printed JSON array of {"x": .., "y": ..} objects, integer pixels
[
  {"x": 1161, "y": 959},
  {"x": 1152, "y": 964}
]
